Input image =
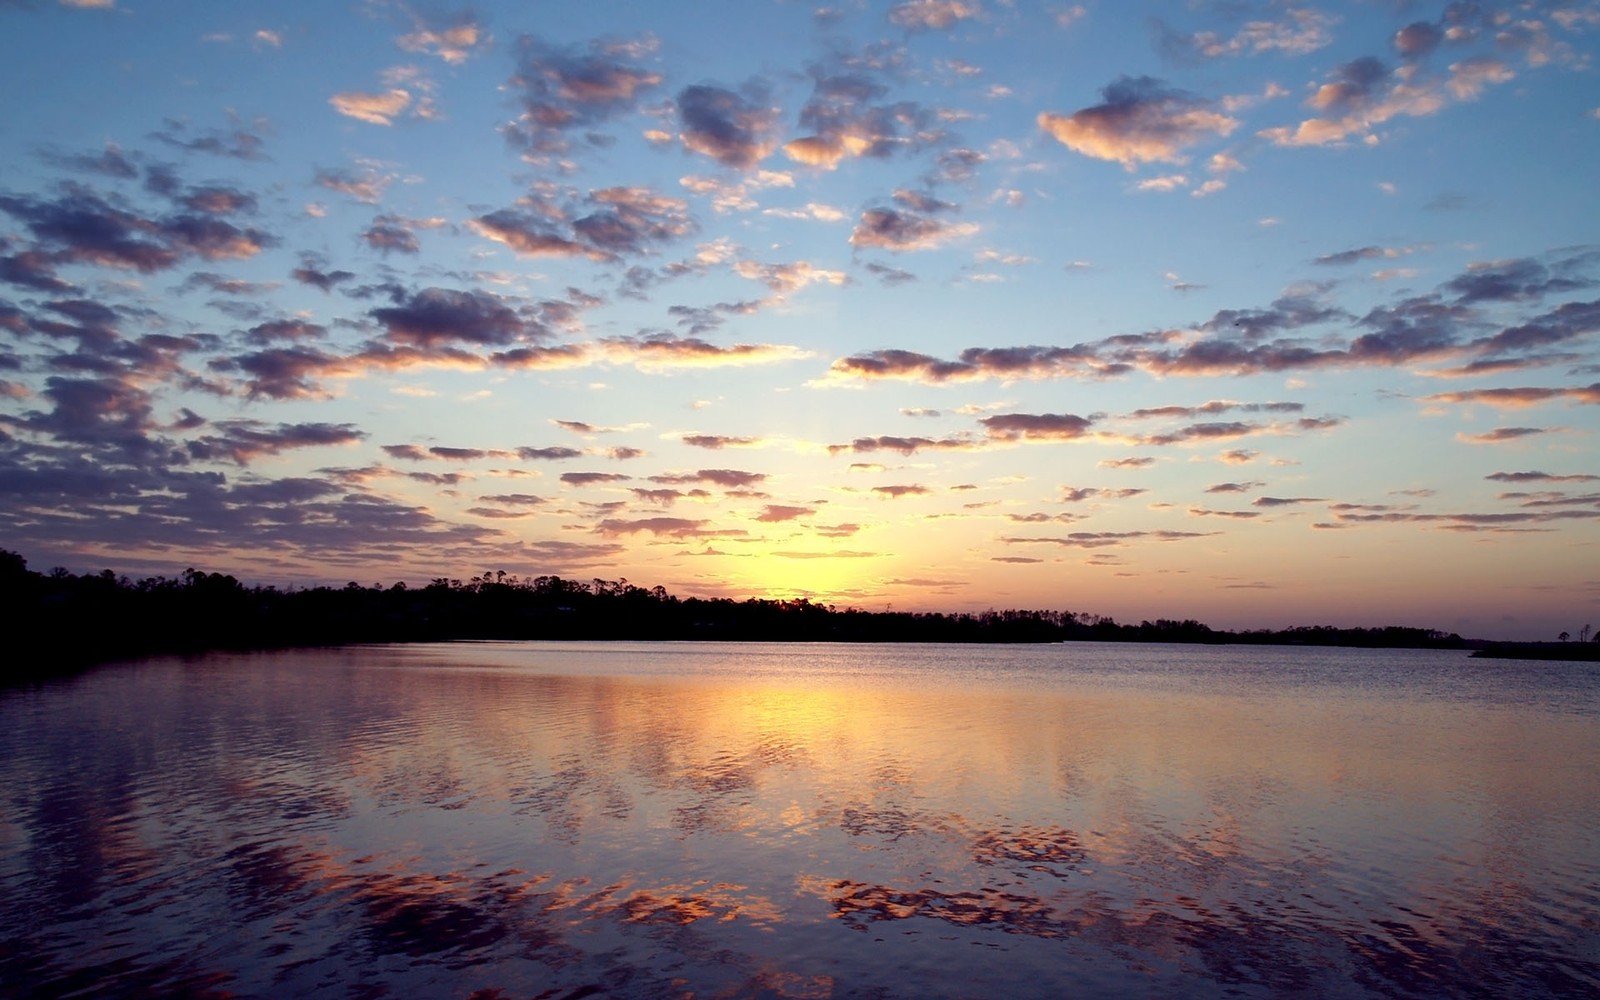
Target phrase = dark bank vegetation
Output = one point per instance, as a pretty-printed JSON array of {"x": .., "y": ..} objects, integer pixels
[{"x": 75, "y": 620}]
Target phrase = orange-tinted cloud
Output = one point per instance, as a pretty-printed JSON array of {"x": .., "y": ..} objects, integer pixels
[
  {"x": 1520, "y": 397},
  {"x": 376, "y": 109},
  {"x": 1141, "y": 120}
]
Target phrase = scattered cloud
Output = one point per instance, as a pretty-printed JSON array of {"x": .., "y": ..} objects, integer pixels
[
  {"x": 373, "y": 108},
  {"x": 564, "y": 89},
  {"x": 1141, "y": 120},
  {"x": 736, "y": 129},
  {"x": 929, "y": 15}
]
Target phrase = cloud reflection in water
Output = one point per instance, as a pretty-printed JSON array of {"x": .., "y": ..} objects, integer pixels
[{"x": 507, "y": 820}]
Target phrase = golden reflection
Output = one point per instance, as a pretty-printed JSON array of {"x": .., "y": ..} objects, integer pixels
[
  {"x": 701, "y": 900},
  {"x": 576, "y": 827}
]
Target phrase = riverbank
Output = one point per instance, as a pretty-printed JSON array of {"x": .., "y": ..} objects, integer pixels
[{"x": 88, "y": 619}]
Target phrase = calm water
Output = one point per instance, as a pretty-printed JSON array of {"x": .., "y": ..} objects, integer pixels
[{"x": 564, "y": 820}]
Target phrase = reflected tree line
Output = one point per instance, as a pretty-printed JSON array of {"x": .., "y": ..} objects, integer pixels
[{"x": 94, "y": 617}]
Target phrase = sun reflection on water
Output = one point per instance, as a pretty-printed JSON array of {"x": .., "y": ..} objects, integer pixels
[{"x": 508, "y": 821}]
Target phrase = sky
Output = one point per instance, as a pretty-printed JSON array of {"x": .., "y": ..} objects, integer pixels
[{"x": 1253, "y": 313}]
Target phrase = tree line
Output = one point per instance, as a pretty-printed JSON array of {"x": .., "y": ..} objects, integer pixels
[{"x": 80, "y": 619}]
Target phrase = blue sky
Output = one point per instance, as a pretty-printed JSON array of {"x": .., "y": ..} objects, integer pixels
[{"x": 1254, "y": 313}]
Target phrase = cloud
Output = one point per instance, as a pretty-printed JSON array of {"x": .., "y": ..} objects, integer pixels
[
  {"x": 847, "y": 118},
  {"x": 32, "y": 269},
  {"x": 239, "y": 143},
  {"x": 550, "y": 454},
  {"x": 1171, "y": 182},
  {"x": 1540, "y": 477},
  {"x": 1036, "y": 426},
  {"x": 903, "y": 445},
  {"x": 1357, "y": 255},
  {"x": 1033, "y": 362},
  {"x": 1300, "y": 31},
  {"x": 413, "y": 453},
  {"x": 1237, "y": 515},
  {"x": 218, "y": 199},
  {"x": 1469, "y": 77},
  {"x": 499, "y": 513},
  {"x": 111, "y": 161},
  {"x": 1142, "y": 120},
  {"x": 1365, "y": 93},
  {"x": 662, "y": 352},
  {"x": 1285, "y": 501},
  {"x": 668, "y": 527},
  {"x": 889, "y": 275},
  {"x": 1107, "y": 539},
  {"x": 614, "y": 221},
  {"x": 1518, "y": 279},
  {"x": 1519, "y": 397},
  {"x": 1126, "y": 463},
  {"x": 630, "y": 219},
  {"x": 1234, "y": 487},
  {"x": 905, "y": 230},
  {"x": 1070, "y": 494},
  {"x": 82, "y": 228},
  {"x": 1228, "y": 430},
  {"x": 514, "y": 499},
  {"x": 1212, "y": 408},
  {"x": 438, "y": 317},
  {"x": 365, "y": 186},
  {"x": 312, "y": 271},
  {"x": 454, "y": 39},
  {"x": 1417, "y": 39},
  {"x": 284, "y": 372},
  {"x": 391, "y": 234},
  {"x": 716, "y": 442},
  {"x": 1468, "y": 522},
  {"x": 592, "y": 478},
  {"x": 896, "y": 492},
  {"x": 562, "y": 89},
  {"x": 666, "y": 497},
  {"x": 783, "y": 279},
  {"x": 243, "y": 441},
  {"x": 529, "y": 234},
  {"x": 531, "y": 358},
  {"x": 375, "y": 109},
  {"x": 812, "y": 210},
  {"x": 285, "y": 329},
  {"x": 106, "y": 412},
  {"x": 778, "y": 513},
  {"x": 927, "y": 15},
  {"x": 1500, "y": 435},
  {"x": 736, "y": 130},
  {"x": 726, "y": 478}
]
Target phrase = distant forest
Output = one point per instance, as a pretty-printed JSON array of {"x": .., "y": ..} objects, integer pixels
[{"x": 97, "y": 617}]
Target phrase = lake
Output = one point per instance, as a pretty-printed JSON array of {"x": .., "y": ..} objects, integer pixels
[{"x": 498, "y": 820}]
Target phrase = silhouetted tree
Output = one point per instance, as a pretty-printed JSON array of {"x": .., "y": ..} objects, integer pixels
[{"x": 201, "y": 610}]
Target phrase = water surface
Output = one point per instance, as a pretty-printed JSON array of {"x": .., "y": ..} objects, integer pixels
[{"x": 566, "y": 820}]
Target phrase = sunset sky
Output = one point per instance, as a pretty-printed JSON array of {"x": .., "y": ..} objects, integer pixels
[{"x": 1254, "y": 313}]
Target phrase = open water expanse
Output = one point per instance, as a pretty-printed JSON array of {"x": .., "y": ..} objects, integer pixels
[{"x": 498, "y": 820}]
